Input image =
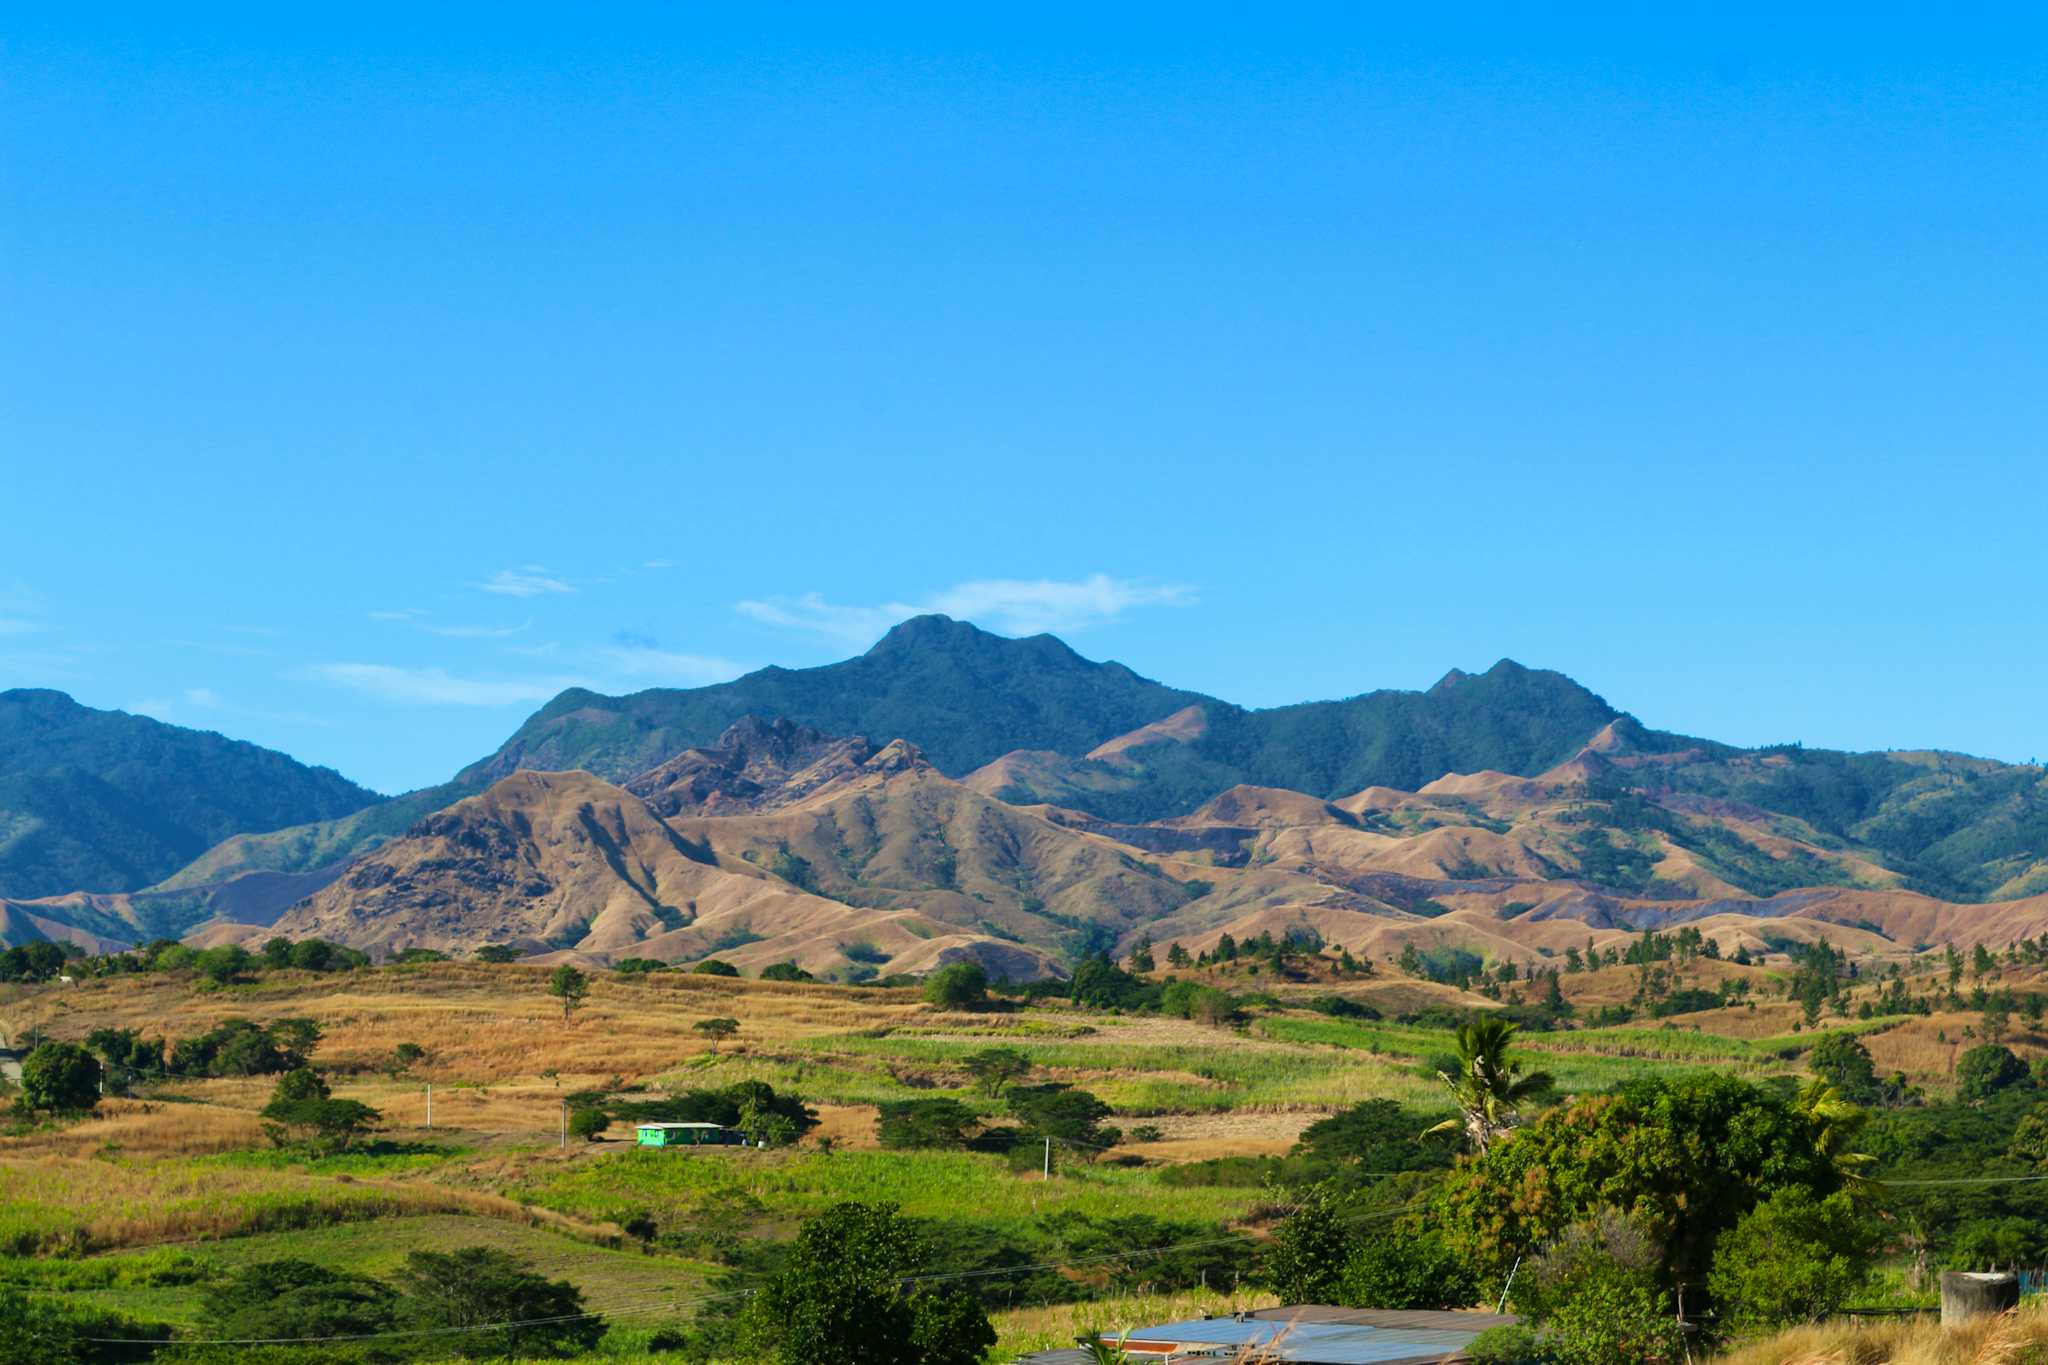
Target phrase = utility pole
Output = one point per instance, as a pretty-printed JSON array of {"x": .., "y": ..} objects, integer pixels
[
  {"x": 430, "y": 1104},
  {"x": 1047, "y": 1175},
  {"x": 565, "y": 1125}
]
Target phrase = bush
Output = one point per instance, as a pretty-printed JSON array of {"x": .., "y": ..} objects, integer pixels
[
  {"x": 1842, "y": 1061},
  {"x": 841, "y": 1299},
  {"x": 588, "y": 1123},
  {"x": 926, "y": 1123},
  {"x": 712, "y": 966},
  {"x": 60, "y": 1078},
  {"x": 456, "y": 1289},
  {"x": 785, "y": 971},
  {"x": 1596, "y": 1293},
  {"x": 1997, "y": 1244},
  {"x": 957, "y": 986},
  {"x": 1202, "y": 1004},
  {"x": 1304, "y": 1262},
  {"x": 292, "y": 1298},
  {"x": 1338, "y": 1007},
  {"x": 61, "y": 1333},
  {"x": 1062, "y": 1114},
  {"x": 1403, "y": 1265},
  {"x": 1508, "y": 1344},
  {"x": 302, "y": 1110},
  {"x": 1790, "y": 1259},
  {"x": 1987, "y": 1069}
]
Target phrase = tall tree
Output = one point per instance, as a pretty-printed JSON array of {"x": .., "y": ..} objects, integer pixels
[
  {"x": 1489, "y": 1087},
  {"x": 570, "y": 986}
]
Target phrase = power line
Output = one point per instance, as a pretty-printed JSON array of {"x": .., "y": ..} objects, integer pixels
[{"x": 660, "y": 1304}]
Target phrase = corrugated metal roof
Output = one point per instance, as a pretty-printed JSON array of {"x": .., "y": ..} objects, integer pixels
[{"x": 1316, "y": 1335}]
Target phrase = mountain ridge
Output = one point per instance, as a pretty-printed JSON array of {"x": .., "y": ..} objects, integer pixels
[{"x": 109, "y": 802}]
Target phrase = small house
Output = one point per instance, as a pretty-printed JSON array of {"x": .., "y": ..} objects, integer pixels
[{"x": 687, "y": 1135}]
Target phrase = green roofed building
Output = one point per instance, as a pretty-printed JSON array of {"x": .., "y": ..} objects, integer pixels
[{"x": 687, "y": 1135}]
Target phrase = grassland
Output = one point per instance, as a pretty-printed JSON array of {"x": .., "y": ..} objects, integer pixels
[{"x": 138, "y": 1206}]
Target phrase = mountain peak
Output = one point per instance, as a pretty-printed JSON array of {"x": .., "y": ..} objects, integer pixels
[{"x": 930, "y": 631}]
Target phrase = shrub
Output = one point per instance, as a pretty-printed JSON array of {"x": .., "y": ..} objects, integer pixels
[
  {"x": 785, "y": 971},
  {"x": 302, "y": 1110},
  {"x": 1405, "y": 1265},
  {"x": 1997, "y": 1244},
  {"x": 587, "y": 1123},
  {"x": 1338, "y": 1007},
  {"x": 957, "y": 986},
  {"x": 1987, "y": 1069},
  {"x": 484, "y": 1285},
  {"x": 1304, "y": 1263},
  {"x": 62, "y": 1333},
  {"x": 1508, "y": 1344},
  {"x": 60, "y": 1078},
  {"x": 841, "y": 1299},
  {"x": 1842, "y": 1061},
  {"x": 926, "y": 1123},
  {"x": 1792, "y": 1258},
  {"x": 292, "y": 1298},
  {"x": 1596, "y": 1293},
  {"x": 635, "y": 966},
  {"x": 712, "y": 966},
  {"x": 496, "y": 952},
  {"x": 1062, "y": 1114}
]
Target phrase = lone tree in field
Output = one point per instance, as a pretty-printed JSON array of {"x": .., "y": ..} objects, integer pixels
[
  {"x": 717, "y": 1030},
  {"x": 570, "y": 986},
  {"x": 60, "y": 1077},
  {"x": 1488, "y": 1088},
  {"x": 995, "y": 1067},
  {"x": 957, "y": 986}
]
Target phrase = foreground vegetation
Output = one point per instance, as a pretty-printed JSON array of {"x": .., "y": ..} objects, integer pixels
[{"x": 1049, "y": 1165}]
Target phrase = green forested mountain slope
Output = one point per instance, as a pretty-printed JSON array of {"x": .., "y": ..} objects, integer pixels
[
  {"x": 960, "y": 694},
  {"x": 105, "y": 801}
]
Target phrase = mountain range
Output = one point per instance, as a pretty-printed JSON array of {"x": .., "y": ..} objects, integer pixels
[{"x": 1010, "y": 799}]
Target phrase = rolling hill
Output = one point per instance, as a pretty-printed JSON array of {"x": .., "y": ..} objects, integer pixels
[{"x": 566, "y": 863}]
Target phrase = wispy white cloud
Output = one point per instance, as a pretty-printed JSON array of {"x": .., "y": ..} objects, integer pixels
[
  {"x": 640, "y": 663},
  {"x": 1015, "y": 606},
  {"x": 402, "y": 614},
  {"x": 204, "y": 697},
  {"x": 659, "y": 564},
  {"x": 528, "y": 580},
  {"x": 477, "y": 632},
  {"x": 435, "y": 686},
  {"x": 15, "y": 625}
]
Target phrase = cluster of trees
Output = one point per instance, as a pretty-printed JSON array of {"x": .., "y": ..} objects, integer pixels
[
  {"x": 227, "y": 963},
  {"x": 1280, "y": 954},
  {"x": 68, "y": 1078},
  {"x": 1705, "y": 1196},
  {"x": 472, "y": 1303},
  {"x": 1101, "y": 984},
  {"x": 752, "y": 1107},
  {"x": 39, "y": 961},
  {"x": 1074, "y": 1120}
]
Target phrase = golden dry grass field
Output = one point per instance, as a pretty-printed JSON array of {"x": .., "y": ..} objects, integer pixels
[{"x": 184, "y": 1163}]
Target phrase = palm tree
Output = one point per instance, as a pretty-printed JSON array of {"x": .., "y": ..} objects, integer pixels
[
  {"x": 1836, "y": 1124},
  {"x": 1488, "y": 1088}
]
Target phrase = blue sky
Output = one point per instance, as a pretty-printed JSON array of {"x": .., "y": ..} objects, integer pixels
[{"x": 367, "y": 377}]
